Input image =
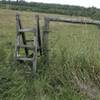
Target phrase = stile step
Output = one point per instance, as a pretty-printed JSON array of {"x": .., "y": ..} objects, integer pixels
[
  {"x": 29, "y": 40},
  {"x": 26, "y": 30},
  {"x": 24, "y": 58}
]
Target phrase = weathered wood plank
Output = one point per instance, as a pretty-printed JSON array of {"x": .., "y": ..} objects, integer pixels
[
  {"x": 39, "y": 35},
  {"x": 35, "y": 47},
  {"x": 17, "y": 36},
  {"x": 29, "y": 40},
  {"x": 26, "y": 30},
  {"x": 76, "y": 21},
  {"x": 24, "y": 59},
  {"x": 45, "y": 33},
  {"x": 45, "y": 40}
]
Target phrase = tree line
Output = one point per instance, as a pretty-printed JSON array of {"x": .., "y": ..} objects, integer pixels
[{"x": 91, "y": 12}]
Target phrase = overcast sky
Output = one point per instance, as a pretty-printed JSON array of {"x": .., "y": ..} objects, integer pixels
[{"x": 85, "y": 3}]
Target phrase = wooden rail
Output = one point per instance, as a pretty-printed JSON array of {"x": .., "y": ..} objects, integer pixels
[{"x": 74, "y": 21}]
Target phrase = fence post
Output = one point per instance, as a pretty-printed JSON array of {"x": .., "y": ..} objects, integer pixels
[{"x": 45, "y": 40}]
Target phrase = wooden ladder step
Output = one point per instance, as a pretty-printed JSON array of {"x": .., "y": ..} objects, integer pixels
[
  {"x": 24, "y": 59},
  {"x": 29, "y": 40},
  {"x": 26, "y": 46},
  {"x": 26, "y": 30}
]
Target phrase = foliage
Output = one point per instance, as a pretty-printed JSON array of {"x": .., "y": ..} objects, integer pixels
[{"x": 52, "y": 8}]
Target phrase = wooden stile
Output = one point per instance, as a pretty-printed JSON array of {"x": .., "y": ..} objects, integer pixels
[
  {"x": 38, "y": 45},
  {"x": 20, "y": 35}
]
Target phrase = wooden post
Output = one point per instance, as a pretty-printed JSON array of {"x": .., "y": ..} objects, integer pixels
[
  {"x": 35, "y": 45},
  {"x": 39, "y": 35},
  {"x": 17, "y": 35},
  {"x": 45, "y": 39},
  {"x": 75, "y": 21}
]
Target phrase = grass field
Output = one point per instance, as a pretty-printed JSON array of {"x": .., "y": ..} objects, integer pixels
[{"x": 74, "y": 56}]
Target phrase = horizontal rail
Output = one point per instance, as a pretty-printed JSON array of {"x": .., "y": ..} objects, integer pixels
[
  {"x": 24, "y": 59},
  {"x": 76, "y": 21},
  {"x": 27, "y": 30},
  {"x": 29, "y": 40}
]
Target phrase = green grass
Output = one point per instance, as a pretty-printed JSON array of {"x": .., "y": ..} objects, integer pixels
[{"x": 74, "y": 57}]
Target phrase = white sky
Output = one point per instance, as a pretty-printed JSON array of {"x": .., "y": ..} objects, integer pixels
[{"x": 85, "y": 3}]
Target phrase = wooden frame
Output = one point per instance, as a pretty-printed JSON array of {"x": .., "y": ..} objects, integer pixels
[
  {"x": 47, "y": 21},
  {"x": 20, "y": 35}
]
